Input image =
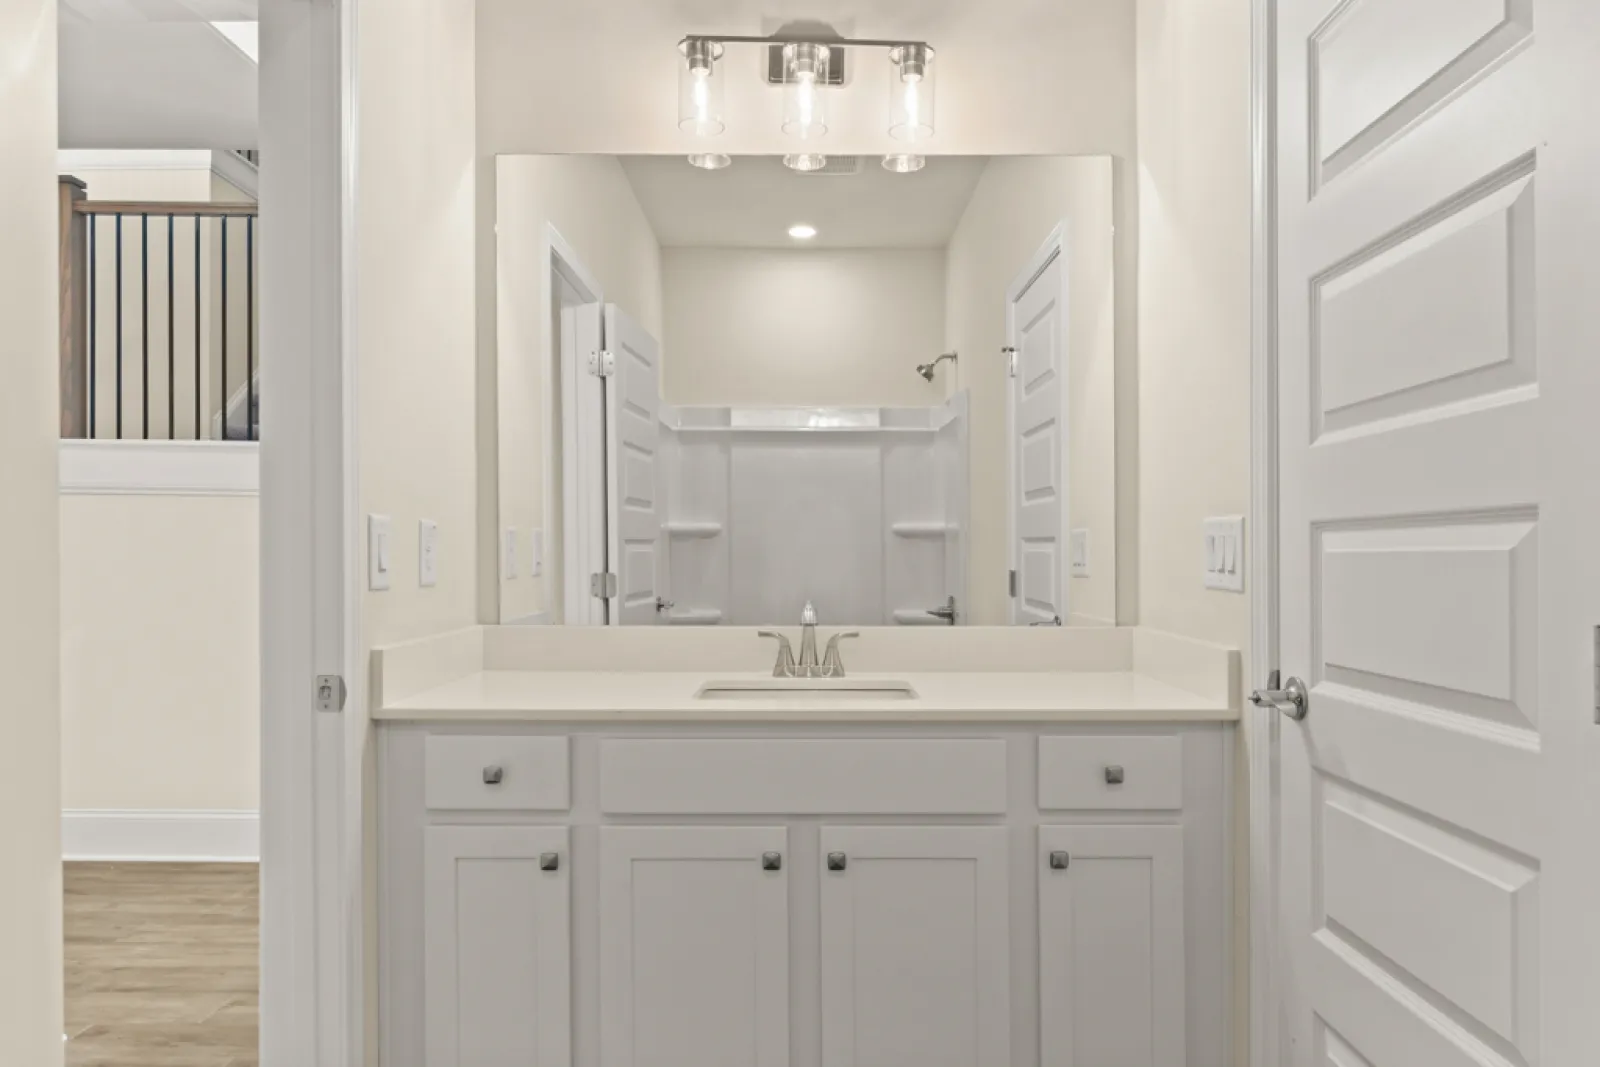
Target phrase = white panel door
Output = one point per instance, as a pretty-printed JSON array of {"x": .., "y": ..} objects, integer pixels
[
  {"x": 916, "y": 940},
  {"x": 1111, "y": 950},
  {"x": 1434, "y": 586},
  {"x": 583, "y": 464},
  {"x": 497, "y": 947},
  {"x": 633, "y": 430},
  {"x": 694, "y": 946},
  {"x": 1036, "y": 325}
]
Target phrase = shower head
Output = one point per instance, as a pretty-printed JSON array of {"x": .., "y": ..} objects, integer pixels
[{"x": 927, "y": 369}]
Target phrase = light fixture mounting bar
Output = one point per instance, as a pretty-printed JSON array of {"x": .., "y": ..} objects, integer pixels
[{"x": 789, "y": 38}]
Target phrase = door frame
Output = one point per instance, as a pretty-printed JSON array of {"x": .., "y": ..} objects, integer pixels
[
  {"x": 1053, "y": 248},
  {"x": 560, "y": 258},
  {"x": 313, "y": 763},
  {"x": 1260, "y": 730}
]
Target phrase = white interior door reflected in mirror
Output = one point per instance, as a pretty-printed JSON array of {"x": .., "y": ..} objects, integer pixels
[
  {"x": 1036, "y": 323},
  {"x": 633, "y": 431}
]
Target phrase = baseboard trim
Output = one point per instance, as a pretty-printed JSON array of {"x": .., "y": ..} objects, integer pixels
[{"x": 132, "y": 836}]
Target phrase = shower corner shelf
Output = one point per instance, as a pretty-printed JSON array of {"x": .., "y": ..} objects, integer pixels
[
  {"x": 921, "y": 529},
  {"x": 693, "y": 529}
]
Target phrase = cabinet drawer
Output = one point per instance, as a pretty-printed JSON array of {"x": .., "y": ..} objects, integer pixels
[
  {"x": 1082, "y": 773},
  {"x": 463, "y": 772},
  {"x": 842, "y": 776}
]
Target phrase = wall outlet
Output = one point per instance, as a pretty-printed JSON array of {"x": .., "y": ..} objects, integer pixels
[
  {"x": 427, "y": 553},
  {"x": 508, "y": 556},
  {"x": 1224, "y": 553},
  {"x": 536, "y": 551},
  {"x": 1078, "y": 549},
  {"x": 380, "y": 540}
]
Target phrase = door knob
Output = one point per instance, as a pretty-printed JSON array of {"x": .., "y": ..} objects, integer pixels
[{"x": 1291, "y": 697}]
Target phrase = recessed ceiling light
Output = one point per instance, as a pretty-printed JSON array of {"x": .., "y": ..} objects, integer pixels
[
  {"x": 710, "y": 160},
  {"x": 801, "y": 232}
]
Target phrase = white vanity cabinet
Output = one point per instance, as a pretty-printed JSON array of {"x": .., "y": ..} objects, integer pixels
[{"x": 804, "y": 895}]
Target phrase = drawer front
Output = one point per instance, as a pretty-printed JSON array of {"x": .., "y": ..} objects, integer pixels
[
  {"x": 470, "y": 773},
  {"x": 803, "y": 777},
  {"x": 1111, "y": 773}
]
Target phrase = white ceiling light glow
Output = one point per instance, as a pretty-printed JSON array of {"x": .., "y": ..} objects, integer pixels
[
  {"x": 710, "y": 160},
  {"x": 801, "y": 231},
  {"x": 805, "y": 68}
]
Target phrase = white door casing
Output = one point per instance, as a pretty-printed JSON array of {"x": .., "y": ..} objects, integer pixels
[
  {"x": 915, "y": 946},
  {"x": 633, "y": 430},
  {"x": 497, "y": 946},
  {"x": 1111, "y": 947},
  {"x": 1036, "y": 328},
  {"x": 1425, "y": 907},
  {"x": 694, "y": 946}
]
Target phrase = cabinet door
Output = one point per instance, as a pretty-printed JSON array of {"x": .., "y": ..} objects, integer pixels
[
  {"x": 1111, "y": 953},
  {"x": 497, "y": 947},
  {"x": 916, "y": 940},
  {"x": 694, "y": 946}
]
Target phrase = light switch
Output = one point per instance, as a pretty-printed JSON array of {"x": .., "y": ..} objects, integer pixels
[
  {"x": 427, "y": 553},
  {"x": 1224, "y": 554},
  {"x": 378, "y": 543},
  {"x": 536, "y": 551},
  {"x": 508, "y": 557},
  {"x": 1079, "y": 553}
]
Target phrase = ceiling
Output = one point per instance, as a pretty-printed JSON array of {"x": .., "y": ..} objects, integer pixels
[
  {"x": 753, "y": 203},
  {"x": 155, "y": 74}
]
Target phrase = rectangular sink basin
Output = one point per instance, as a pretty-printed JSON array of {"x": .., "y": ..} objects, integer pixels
[{"x": 806, "y": 689}]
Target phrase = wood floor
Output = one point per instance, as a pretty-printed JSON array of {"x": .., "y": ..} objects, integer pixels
[{"x": 161, "y": 964}]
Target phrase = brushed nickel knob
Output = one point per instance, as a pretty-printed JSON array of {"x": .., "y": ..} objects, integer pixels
[
  {"x": 772, "y": 861},
  {"x": 549, "y": 861},
  {"x": 837, "y": 861},
  {"x": 493, "y": 775},
  {"x": 1114, "y": 775},
  {"x": 1059, "y": 861}
]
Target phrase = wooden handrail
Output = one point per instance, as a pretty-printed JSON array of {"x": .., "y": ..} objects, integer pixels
[{"x": 162, "y": 208}]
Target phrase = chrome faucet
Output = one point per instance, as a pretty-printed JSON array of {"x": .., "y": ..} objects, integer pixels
[{"x": 809, "y": 666}]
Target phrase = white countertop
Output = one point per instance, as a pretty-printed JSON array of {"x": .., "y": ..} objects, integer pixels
[{"x": 964, "y": 696}]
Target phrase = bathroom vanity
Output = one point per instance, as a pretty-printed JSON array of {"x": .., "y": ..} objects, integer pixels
[{"x": 978, "y": 848}]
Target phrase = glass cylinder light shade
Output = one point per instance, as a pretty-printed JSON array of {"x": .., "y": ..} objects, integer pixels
[
  {"x": 805, "y": 76},
  {"x": 911, "y": 82},
  {"x": 700, "y": 87}
]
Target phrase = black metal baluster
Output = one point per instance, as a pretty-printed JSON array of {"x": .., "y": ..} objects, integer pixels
[
  {"x": 198, "y": 426},
  {"x": 94, "y": 280},
  {"x": 222, "y": 220},
  {"x": 144, "y": 320},
  {"x": 250, "y": 326},
  {"x": 172, "y": 378},
  {"x": 119, "y": 325}
]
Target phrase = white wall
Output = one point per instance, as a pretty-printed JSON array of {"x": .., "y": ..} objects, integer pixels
[
  {"x": 1194, "y": 305},
  {"x": 801, "y": 326},
  {"x": 415, "y": 318},
  {"x": 30, "y": 635},
  {"x": 590, "y": 203},
  {"x": 160, "y": 653},
  {"x": 1018, "y": 202}
]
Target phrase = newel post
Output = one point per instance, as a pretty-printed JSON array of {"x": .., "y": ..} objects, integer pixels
[{"x": 74, "y": 231}]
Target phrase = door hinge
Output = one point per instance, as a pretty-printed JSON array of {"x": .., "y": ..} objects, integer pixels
[
  {"x": 603, "y": 586},
  {"x": 330, "y": 692},
  {"x": 602, "y": 364},
  {"x": 1011, "y": 360},
  {"x": 1011, "y": 583}
]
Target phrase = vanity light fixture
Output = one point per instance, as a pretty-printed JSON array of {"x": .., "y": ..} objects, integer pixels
[
  {"x": 710, "y": 160},
  {"x": 805, "y": 162},
  {"x": 806, "y": 60},
  {"x": 801, "y": 231},
  {"x": 700, "y": 87}
]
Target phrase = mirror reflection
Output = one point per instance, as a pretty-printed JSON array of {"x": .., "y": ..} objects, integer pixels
[{"x": 888, "y": 395}]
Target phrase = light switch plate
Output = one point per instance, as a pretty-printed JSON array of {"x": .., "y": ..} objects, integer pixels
[
  {"x": 536, "y": 551},
  {"x": 508, "y": 556},
  {"x": 1223, "y": 553},
  {"x": 427, "y": 553},
  {"x": 380, "y": 542},
  {"x": 1078, "y": 546}
]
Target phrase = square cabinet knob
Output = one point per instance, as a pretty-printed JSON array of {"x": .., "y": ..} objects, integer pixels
[
  {"x": 550, "y": 861},
  {"x": 1114, "y": 775},
  {"x": 1059, "y": 861}
]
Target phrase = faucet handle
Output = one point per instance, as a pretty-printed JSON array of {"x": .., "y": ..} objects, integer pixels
[
  {"x": 784, "y": 668},
  {"x": 832, "y": 665},
  {"x": 808, "y": 616}
]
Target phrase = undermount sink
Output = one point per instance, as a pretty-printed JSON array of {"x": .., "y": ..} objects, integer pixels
[{"x": 806, "y": 689}]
